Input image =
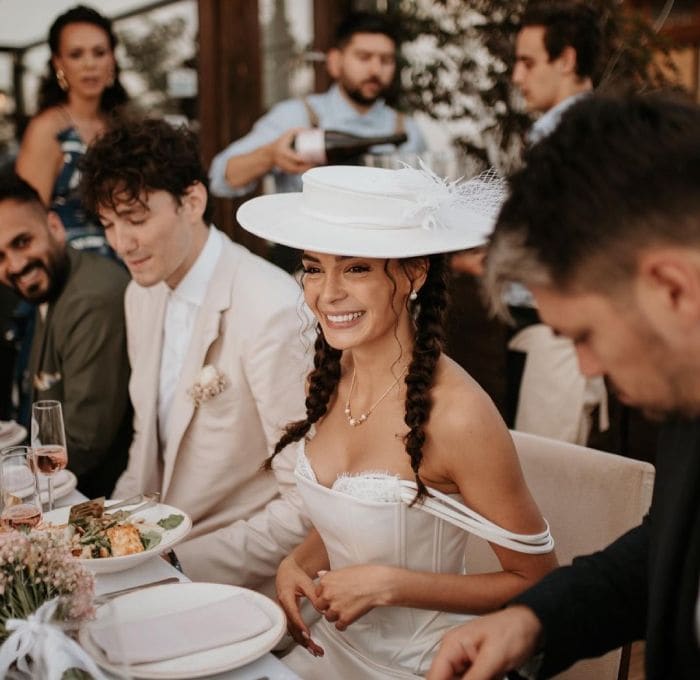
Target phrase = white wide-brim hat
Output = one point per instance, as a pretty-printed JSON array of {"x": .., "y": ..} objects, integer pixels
[{"x": 375, "y": 212}]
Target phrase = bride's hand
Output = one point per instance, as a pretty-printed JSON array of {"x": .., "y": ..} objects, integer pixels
[
  {"x": 344, "y": 595},
  {"x": 293, "y": 583}
]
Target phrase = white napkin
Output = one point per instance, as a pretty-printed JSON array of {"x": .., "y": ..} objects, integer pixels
[{"x": 168, "y": 636}]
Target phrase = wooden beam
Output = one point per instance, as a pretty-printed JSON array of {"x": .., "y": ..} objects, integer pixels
[
  {"x": 230, "y": 92},
  {"x": 327, "y": 16},
  {"x": 682, "y": 25}
]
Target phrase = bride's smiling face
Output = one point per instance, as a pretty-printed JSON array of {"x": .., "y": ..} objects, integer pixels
[{"x": 357, "y": 300}]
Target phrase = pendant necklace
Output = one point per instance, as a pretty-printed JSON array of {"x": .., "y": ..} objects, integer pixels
[{"x": 354, "y": 422}]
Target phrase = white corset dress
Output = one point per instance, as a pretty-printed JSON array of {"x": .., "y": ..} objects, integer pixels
[{"x": 366, "y": 519}]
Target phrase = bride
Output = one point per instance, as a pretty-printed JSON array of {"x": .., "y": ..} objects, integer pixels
[{"x": 401, "y": 454}]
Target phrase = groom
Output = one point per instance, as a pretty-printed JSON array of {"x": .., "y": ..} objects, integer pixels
[{"x": 216, "y": 353}]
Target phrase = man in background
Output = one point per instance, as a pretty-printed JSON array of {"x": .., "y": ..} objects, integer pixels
[
  {"x": 362, "y": 62},
  {"x": 217, "y": 356},
  {"x": 610, "y": 248},
  {"x": 78, "y": 353},
  {"x": 557, "y": 52}
]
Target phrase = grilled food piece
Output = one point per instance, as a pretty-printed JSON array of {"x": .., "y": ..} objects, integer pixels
[{"x": 125, "y": 540}]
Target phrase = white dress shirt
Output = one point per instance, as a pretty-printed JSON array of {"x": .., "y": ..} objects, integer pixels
[{"x": 181, "y": 312}]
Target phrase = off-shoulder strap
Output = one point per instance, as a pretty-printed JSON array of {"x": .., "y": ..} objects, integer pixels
[{"x": 443, "y": 507}]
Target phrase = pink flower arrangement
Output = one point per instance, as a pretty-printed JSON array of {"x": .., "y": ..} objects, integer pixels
[{"x": 37, "y": 566}]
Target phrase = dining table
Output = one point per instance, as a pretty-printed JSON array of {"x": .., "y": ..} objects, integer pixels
[{"x": 266, "y": 667}]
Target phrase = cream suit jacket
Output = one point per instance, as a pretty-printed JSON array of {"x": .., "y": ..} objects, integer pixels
[{"x": 251, "y": 329}]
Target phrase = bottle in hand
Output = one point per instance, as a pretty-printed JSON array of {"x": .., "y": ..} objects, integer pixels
[
  {"x": 329, "y": 147},
  {"x": 50, "y": 459}
]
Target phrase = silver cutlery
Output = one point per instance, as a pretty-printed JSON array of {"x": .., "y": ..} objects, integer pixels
[
  {"x": 96, "y": 506},
  {"x": 99, "y": 599}
]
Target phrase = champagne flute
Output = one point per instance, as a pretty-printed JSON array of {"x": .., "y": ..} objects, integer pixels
[
  {"x": 19, "y": 491},
  {"x": 49, "y": 441}
]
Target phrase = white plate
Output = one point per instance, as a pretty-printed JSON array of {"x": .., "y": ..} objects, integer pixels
[
  {"x": 64, "y": 482},
  {"x": 11, "y": 433},
  {"x": 109, "y": 565},
  {"x": 168, "y": 599}
]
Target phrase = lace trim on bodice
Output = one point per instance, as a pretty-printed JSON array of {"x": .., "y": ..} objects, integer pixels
[
  {"x": 372, "y": 485},
  {"x": 381, "y": 486}
]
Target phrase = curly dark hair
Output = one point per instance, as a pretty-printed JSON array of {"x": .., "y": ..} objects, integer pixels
[
  {"x": 429, "y": 312},
  {"x": 50, "y": 93},
  {"x": 569, "y": 24},
  {"x": 137, "y": 157}
]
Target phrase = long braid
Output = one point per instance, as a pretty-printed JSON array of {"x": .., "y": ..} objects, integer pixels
[
  {"x": 323, "y": 381},
  {"x": 429, "y": 343}
]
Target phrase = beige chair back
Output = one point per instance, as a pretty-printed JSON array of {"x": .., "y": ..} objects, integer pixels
[{"x": 589, "y": 498}]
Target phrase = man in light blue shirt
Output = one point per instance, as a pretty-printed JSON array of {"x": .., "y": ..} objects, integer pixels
[
  {"x": 557, "y": 51},
  {"x": 362, "y": 63}
]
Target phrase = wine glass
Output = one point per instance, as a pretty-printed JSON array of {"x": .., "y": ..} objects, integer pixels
[
  {"x": 19, "y": 491},
  {"x": 49, "y": 441}
]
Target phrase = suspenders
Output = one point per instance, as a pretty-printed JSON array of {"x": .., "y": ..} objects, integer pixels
[
  {"x": 314, "y": 122},
  {"x": 313, "y": 117}
]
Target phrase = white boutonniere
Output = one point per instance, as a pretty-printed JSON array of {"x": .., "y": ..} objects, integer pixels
[{"x": 210, "y": 383}]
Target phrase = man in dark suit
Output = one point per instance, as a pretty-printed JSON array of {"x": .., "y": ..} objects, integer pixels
[
  {"x": 603, "y": 225},
  {"x": 78, "y": 354}
]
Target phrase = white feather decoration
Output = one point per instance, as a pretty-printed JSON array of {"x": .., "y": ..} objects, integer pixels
[{"x": 444, "y": 204}]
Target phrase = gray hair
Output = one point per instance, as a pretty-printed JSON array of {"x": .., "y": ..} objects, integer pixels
[{"x": 510, "y": 261}]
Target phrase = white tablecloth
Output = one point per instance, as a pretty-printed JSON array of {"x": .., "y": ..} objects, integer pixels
[{"x": 267, "y": 667}]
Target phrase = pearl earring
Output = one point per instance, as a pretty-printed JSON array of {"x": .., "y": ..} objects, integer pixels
[
  {"x": 62, "y": 80},
  {"x": 413, "y": 295}
]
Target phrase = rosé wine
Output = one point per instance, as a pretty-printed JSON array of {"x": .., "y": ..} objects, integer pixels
[
  {"x": 51, "y": 459},
  {"x": 20, "y": 516}
]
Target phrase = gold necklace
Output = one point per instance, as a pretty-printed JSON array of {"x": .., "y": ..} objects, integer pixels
[{"x": 354, "y": 422}]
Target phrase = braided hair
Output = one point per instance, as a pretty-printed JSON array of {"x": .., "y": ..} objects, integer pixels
[
  {"x": 428, "y": 311},
  {"x": 429, "y": 343},
  {"x": 323, "y": 381}
]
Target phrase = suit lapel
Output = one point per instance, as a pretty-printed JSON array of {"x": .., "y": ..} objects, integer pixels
[
  {"x": 146, "y": 381},
  {"x": 206, "y": 331},
  {"x": 36, "y": 353}
]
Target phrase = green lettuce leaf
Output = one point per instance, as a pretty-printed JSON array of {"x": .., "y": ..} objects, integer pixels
[{"x": 171, "y": 521}]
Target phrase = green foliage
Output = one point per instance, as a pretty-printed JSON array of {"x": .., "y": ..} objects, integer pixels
[
  {"x": 458, "y": 56},
  {"x": 152, "y": 55}
]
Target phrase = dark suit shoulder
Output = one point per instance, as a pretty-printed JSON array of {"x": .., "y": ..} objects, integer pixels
[
  {"x": 95, "y": 285},
  {"x": 94, "y": 276}
]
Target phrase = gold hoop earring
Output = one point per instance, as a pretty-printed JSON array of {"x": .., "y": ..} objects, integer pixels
[{"x": 62, "y": 80}]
